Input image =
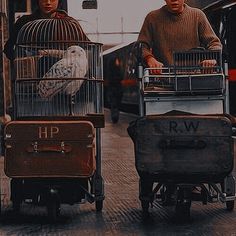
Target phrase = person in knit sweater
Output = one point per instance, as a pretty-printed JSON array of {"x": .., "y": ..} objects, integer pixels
[{"x": 175, "y": 27}]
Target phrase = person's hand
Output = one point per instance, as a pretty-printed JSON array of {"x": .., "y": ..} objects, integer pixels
[
  {"x": 208, "y": 63},
  {"x": 153, "y": 63}
]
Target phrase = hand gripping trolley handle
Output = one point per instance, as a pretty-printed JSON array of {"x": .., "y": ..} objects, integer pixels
[
  {"x": 53, "y": 144},
  {"x": 184, "y": 150}
]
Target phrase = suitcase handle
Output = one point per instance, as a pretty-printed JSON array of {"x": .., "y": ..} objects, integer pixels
[
  {"x": 182, "y": 144},
  {"x": 35, "y": 148}
]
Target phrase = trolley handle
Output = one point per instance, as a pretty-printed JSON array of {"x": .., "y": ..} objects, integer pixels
[
  {"x": 36, "y": 148},
  {"x": 181, "y": 144}
]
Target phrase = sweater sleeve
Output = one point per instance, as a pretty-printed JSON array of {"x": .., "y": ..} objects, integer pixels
[
  {"x": 207, "y": 36},
  {"x": 9, "y": 47},
  {"x": 146, "y": 37}
]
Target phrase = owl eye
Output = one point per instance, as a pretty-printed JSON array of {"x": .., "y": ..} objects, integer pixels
[{"x": 73, "y": 51}]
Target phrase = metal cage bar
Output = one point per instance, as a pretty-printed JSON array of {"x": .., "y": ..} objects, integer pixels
[{"x": 188, "y": 75}]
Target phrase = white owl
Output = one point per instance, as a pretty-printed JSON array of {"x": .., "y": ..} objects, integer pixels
[{"x": 74, "y": 64}]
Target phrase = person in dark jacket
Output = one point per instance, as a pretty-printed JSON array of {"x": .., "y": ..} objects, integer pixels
[{"x": 46, "y": 9}]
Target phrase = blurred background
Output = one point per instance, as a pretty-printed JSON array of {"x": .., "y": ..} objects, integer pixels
[
  {"x": 116, "y": 25},
  {"x": 110, "y": 22},
  {"x": 115, "y": 22}
]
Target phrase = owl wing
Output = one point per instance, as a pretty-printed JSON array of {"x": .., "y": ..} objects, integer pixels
[
  {"x": 49, "y": 88},
  {"x": 79, "y": 70}
]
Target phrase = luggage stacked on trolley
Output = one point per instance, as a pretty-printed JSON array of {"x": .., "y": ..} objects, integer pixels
[
  {"x": 53, "y": 143},
  {"x": 184, "y": 149}
]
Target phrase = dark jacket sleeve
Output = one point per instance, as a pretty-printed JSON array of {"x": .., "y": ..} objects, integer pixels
[{"x": 9, "y": 47}]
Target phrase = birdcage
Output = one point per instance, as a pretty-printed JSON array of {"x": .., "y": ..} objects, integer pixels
[{"x": 58, "y": 71}]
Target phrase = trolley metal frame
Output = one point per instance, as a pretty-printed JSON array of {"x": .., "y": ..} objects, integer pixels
[
  {"x": 186, "y": 87},
  {"x": 193, "y": 97}
]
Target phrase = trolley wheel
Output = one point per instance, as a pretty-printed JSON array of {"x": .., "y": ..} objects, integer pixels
[
  {"x": 53, "y": 211},
  {"x": 16, "y": 194},
  {"x": 99, "y": 205},
  {"x": 230, "y": 205},
  {"x": 115, "y": 115},
  {"x": 183, "y": 204},
  {"x": 145, "y": 208},
  {"x": 16, "y": 205},
  {"x": 182, "y": 210},
  {"x": 168, "y": 196}
]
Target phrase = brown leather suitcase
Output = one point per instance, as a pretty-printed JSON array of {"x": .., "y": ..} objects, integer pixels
[
  {"x": 189, "y": 148},
  {"x": 49, "y": 149}
]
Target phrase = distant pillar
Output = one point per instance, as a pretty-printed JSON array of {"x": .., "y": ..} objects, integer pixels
[{"x": 28, "y": 6}]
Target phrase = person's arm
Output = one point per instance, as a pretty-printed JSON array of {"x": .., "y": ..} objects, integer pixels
[
  {"x": 208, "y": 38},
  {"x": 9, "y": 47},
  {"x": 146, "y": 38}
]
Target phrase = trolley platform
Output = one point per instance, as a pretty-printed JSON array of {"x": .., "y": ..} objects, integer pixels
[
  {"x": 53, "y": 143},
  {"x": 183, "y": 140}
]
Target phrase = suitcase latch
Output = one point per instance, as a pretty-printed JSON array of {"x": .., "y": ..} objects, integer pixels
[
  {"x": 35, "y": 145},
  {"x": 62, "y": 147}
]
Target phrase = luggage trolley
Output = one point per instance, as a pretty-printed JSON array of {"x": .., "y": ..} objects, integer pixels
[
  {"x": 53, "y": 143},
  {"x": 184, "y": 150}
]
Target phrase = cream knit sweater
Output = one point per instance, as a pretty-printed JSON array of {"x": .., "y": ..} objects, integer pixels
[{"x": 164, "y": 33}]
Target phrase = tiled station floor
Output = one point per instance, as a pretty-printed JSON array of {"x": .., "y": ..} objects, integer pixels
[{"x": 121, "y": 213}]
